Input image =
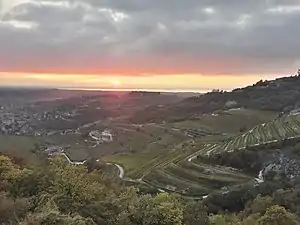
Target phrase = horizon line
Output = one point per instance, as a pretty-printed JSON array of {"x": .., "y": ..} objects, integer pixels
[
  {"x": 139, "y": 90},
  {"x": 111, "y": 89}
]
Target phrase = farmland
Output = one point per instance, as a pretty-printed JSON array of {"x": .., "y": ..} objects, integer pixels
[
  {"x": 165, "y": 155},
  {"x": 287, "y": 127},
  {"x": 178, "y": 173},
  {"x": 181, "y": 171},
  {"x": 228, "y": 121},
  {"x": 211, "y": 128}
]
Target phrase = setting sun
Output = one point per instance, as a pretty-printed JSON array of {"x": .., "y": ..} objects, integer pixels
[{"x": 116, "y": 83}]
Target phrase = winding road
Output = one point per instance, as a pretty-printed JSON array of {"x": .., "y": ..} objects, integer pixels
[
  {"x": 120, "y": 168},
  {"x": 190, "y": 158}
]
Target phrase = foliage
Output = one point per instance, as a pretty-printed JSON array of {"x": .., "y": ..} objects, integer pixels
[
  {"x": 195, "y": 214},
  {"x": 60, "y": 193},
  {"x": 277, "y": 215},
  {"x": 63, "y": 194},
  {"x": 55, "y": 218},
  {"x": 260, "y": 204},
  {"x": 225, "y": 220},
  {"x": 11, "y": 210},
  {"x": 163, "y": 209}
]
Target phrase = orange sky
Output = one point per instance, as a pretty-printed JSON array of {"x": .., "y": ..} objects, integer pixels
[
  {"x": 183, "y": 82},
  {"x": 147, "y": 44}
]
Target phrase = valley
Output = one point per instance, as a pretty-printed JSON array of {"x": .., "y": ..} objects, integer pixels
[{"x": 193, "y": 154}]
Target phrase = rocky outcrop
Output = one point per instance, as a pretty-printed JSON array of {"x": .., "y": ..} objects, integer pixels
[{"x": 281, "y": 166}]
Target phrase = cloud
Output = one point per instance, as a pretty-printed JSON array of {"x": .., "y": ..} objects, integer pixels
[{"x": 142, "y": 36}]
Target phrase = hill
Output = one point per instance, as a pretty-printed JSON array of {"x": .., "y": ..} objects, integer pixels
[
  {"x": 197, "y": 167},
  {"x": 58, "y": 193},
  {"x": 280, "y": 95},
  {"x": 216, "y": 153}
]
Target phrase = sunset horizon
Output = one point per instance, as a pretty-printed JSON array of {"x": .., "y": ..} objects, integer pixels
[
  {"x": 190, "y": 45},
  {"x": 147, "y": 82},
  {"x": 139, "y": 112}
]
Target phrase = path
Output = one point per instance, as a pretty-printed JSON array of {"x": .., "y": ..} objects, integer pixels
[
  {"x": 190, "y": 159},
  {"x": 120, "y": 168}
]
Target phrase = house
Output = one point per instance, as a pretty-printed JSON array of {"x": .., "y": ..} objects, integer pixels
[
  {"x": 107, "y": 135},
  {"x": 104, "y": 136}
]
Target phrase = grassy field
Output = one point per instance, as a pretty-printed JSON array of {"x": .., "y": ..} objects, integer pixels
[
  {"x": 160, "y": 154},
  {"x": 146, "y": 142},
  {"x": 19, "y": 146},
  {"x": 231, "y": 121},
  {"x": 138, "y": 165},
  {"x": 178, "y": 172},
  {"x": 153, "y": 153}
]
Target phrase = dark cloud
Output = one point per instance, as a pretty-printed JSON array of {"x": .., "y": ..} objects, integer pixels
[{"x": 143, "y": 36}]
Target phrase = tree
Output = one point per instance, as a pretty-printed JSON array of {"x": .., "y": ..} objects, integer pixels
[
  {"x": 259, "y": 205},
  {"x": 163, "y": 209},
  {"x": 53, "y": 217},
  {"x": 195, "y": 214},
  {"x": 251, "y": 220},
  {"x": 277, "y": 215},
  {"x": 6, "y": 167},
  {"x": 73, "y": 187},
  {"x": 11, "y": 210},
  {"x": 225, "y": 220}
]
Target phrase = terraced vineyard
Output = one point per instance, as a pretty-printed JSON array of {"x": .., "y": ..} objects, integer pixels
[
  {"x": 194, "y": 178},
  {"x": 287, "y": 127},
  {"x": 184, "y": 173}
]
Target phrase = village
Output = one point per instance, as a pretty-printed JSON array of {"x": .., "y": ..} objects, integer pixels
[{"x": 33, "y": 119}]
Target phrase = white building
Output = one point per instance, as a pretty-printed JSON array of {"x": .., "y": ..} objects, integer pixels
[
  {"x": 107, "y": 135},
  {"x": 104, "y": 136}
]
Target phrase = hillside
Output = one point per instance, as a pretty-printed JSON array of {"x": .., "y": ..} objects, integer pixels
[
  {"x": 280, "y": 95},
  {"x": 56, "y": 193},
  {"x": 216, "y": 153},
  {"x": 198, "y": 167}
]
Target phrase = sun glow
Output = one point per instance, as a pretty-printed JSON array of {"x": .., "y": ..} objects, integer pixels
[
  {"x": 174, "y": 82},
  {"x": 116, "y": 83}
]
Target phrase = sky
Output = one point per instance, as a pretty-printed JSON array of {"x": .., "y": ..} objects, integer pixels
[{"x": 147, "y": 44}]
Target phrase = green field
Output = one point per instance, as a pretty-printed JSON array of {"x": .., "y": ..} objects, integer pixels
[
  {"x": 171, "y": 146},
  {"x": 230, "y": 121},
  {"x": 179, "y": 170},
  {"x": 147, "y": 142},
  {"x": 19, "y": 146},
  {"x": 192, "y": 178},
  {"x": 163, "y": 157}
]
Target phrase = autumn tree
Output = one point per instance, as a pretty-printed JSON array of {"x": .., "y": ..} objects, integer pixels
[{"x": 277, "y": 215}]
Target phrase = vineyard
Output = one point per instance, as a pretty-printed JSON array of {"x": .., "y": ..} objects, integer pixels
[
  {"x": 287, "y": 127},
  {"x": 184, "y": 173}
]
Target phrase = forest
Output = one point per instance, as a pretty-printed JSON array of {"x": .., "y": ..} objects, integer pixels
[{"x": 55, "y": 192}]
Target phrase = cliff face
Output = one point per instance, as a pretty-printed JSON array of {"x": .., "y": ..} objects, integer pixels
[{"x": 281, "y": 166}]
